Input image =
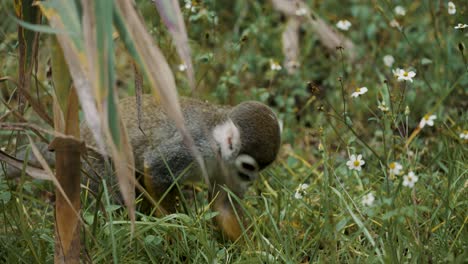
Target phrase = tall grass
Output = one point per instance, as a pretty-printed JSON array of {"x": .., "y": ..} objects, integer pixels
[{"x": 330, "y": 219}]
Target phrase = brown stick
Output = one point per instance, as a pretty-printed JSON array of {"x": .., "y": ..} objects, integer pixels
[{"x": 67, "y": 228}]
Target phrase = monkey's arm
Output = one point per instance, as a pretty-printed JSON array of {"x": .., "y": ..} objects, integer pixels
[
  {"x": 172, "y": 161},
  {"x": 162, "y": 166},
  {"x": 230, "y": 215}
]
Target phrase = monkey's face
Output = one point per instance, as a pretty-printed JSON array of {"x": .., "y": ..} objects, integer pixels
[
  {"x": 238, "y": 171},
  {"x": 247, "y": 142}
]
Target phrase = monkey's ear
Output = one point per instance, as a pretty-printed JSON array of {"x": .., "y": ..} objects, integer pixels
[{"x": 228, "y": 138}]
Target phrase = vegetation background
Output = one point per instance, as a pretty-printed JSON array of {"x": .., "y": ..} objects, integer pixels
[{"x": 312, "y": 205}]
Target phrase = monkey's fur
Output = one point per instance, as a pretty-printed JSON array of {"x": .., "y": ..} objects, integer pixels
[
  {"x": 162, "y": 156},
  {"x": 235, "y": 143}
]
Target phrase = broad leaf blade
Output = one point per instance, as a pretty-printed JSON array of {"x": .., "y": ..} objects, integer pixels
[
  {"x": 62, "y": 15},
  {"x": 98, "y": 27}
]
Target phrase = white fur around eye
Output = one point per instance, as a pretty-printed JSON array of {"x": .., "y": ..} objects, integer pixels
[{"x": 228, "y": 138}]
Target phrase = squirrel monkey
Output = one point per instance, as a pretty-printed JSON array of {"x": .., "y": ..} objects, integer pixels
[{"x": 235, "y": 143}]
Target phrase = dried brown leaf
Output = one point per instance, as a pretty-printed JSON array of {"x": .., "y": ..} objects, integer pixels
[
  {"x": 48, "y": 170},
  {"x": 76, "y": 62},
  {"x": 67, "y": 202},
  {"x": 159, "y": 74},
  {"x": 98, "y": 67}
]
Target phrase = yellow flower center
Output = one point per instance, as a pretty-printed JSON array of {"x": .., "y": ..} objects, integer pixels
[
  {"x": 358, "y": 90},
  {"x": 357, "y": 163},
  {"x": 426, "y": 117},
  {"x": 392, "y": 165},
  {"x": 405, "y": 74},
  {"x": 410, "y": 178}
]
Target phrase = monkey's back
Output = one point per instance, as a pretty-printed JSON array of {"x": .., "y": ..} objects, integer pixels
[{"x": 155, "y": 127}]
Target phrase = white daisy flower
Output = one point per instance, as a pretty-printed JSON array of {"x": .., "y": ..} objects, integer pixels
[
  {"x": 368, "y": 199},
  {"x": 190, "y": 6},
  {"x": 451, "y": 9},
  {"x": 404, "y": 75},
  {"x": 355, "y": 163},
  {"x": 388, "y": 60},
  {"x": 400, "y": 11},
  {"x": 383, "y": 106},
  {"x": 343, "y": 25},
  {"x": 395, "y": 168},
  {"x": 410, "y": 179},
  {"x": 427, "y": 120},
  {"x": 182, "y": 67},
  {"x": 275, "y": 66},
  {"x": 464, "y": 135},
  {"x": 396, "y": 72},
  {"x": 395, "y": 24},
  {"x": 301, "y": 190},
  {"x": 359, "y": 91},
  {"x": 460, "y": 26}
]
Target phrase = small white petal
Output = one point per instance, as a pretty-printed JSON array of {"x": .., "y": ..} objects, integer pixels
[
  {"x": 297, "y": 195},
  {"x": 451, "y": 9},
  {"x": 461, "y": 26},
  {"x": 399, "y": 10},
  {"x": 182, "y": 67},
  {"x": 343, "y": 25},
  {"x": 394, "y": 24},
  {"x": 422, "y": 123},
  {"x": 388, "y": 60}
]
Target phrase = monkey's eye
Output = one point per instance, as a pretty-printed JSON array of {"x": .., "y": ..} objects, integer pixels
[
  {"x": 246, "y": 163},
  {"x": 248, "y": 166},
  {"x": 244, "y": 176}
]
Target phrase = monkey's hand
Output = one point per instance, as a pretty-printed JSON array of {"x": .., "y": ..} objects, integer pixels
[{"x": 230, "y": 215}]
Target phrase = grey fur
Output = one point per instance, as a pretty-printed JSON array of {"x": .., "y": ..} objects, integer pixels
[{"x": 161, "y": 149}]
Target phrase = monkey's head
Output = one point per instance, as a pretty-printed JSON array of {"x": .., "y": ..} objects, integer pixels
[{"x": 248, "y": 141}]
